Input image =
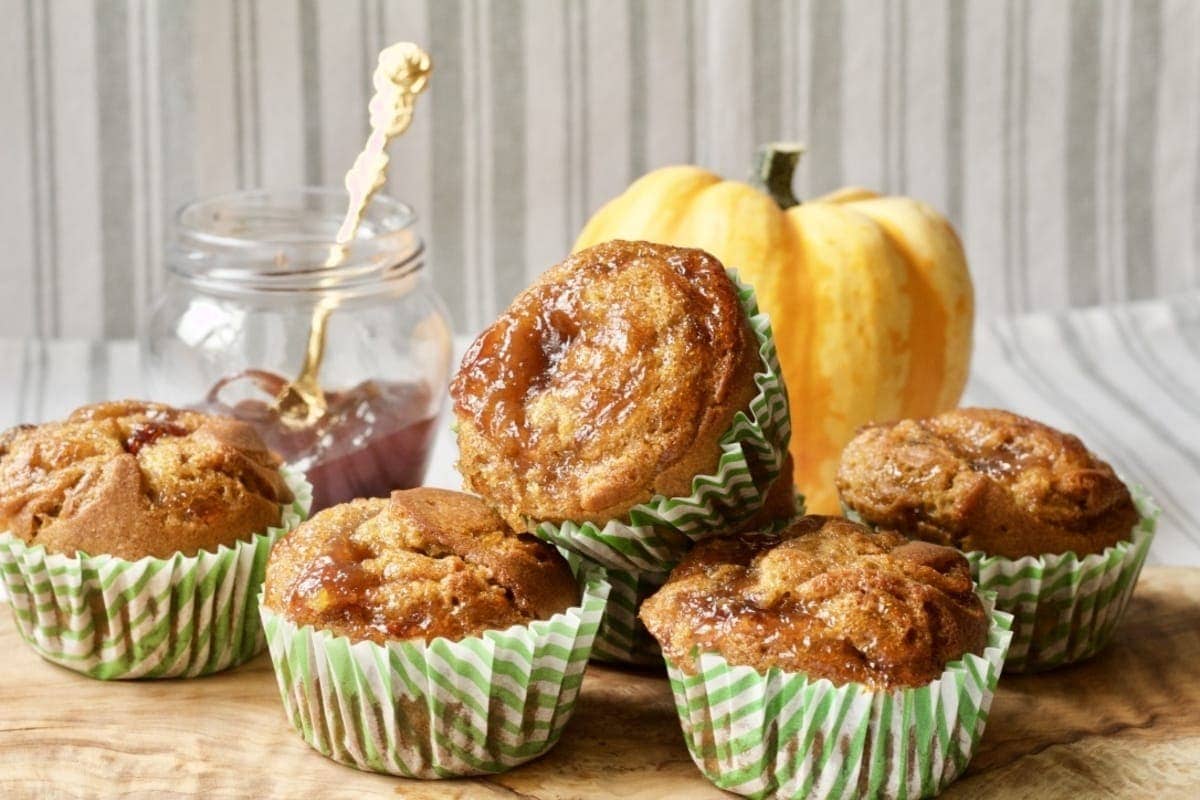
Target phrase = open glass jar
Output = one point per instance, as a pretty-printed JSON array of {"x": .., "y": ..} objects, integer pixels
[{"x": 247, "y": 271}]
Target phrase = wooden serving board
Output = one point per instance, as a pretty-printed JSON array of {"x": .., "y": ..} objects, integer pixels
[{"x": 1126, "y": 724}]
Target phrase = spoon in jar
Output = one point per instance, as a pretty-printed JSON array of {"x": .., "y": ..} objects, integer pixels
[{"x": 401, "y": 74}]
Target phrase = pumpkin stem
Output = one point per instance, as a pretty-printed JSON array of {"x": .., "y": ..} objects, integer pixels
[{"x": 774, "y": 167}]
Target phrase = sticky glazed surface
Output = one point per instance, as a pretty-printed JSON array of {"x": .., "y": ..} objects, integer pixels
[
  {"x": 134, "y": 479},
  {"x": 608, "y": 381},
  {"x": 423, "y": 564},
  {"x": 825, "y": 597},
  {"x": 988, "y": 480}
]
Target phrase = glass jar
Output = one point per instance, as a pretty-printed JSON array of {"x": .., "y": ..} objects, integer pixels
[{"x": 247, "y": 271}]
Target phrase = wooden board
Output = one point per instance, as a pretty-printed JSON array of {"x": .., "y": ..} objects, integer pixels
[{"x": 1126, "y": 724}]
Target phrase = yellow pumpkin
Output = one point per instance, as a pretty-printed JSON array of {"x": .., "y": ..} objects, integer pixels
[{"x": 869, "y": 296}]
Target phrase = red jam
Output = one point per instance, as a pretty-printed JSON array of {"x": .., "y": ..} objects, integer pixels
[
  {"x": 145, "y": 434},
  {"x": 373, "y": 438}
]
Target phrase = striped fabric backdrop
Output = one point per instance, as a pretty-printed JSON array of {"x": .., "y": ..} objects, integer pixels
[{"x": 1063, "y": 138}]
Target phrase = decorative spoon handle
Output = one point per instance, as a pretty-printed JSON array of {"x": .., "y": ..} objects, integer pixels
[{"x": 401, "y": 75}]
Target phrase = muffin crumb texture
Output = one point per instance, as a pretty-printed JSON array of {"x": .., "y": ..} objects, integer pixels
[
  {"x": 986, "y": 480},
  {"x": 610, "y": 380},
  {"x": 424, "y": 563},
  {"x": 134, "y": 479},
  {"x": 825, "y": 597}
]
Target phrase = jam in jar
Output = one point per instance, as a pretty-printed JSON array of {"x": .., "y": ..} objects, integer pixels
[{"x": 247, "y": 271}]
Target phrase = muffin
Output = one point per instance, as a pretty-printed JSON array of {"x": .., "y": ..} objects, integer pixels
[
  {"x": 825, "y": 597},
  {"x": 421, "y": 636},
  {"x": 1045, "y": 523},
  {"x": 151, "y": 526},
  {"x": 424, "y": 564},
  {"x": 633, "y": 384},
  {"x": 988, "y": 480},
  {"x": 827, "y": 655},
  {"x": 132, "y": 479}
]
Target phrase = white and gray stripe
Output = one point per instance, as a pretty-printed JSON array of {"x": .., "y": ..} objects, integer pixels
[{"x": 1060, "y": 137}]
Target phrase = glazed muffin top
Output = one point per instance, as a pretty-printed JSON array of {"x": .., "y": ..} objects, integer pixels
[
  {"x": 424, "y": 563},
  {"x": 825, "y": 597},
  {"x": 981, "y": 479},
  {"x": 133, "y": 479},
  {"x": 610, "y": 380}
]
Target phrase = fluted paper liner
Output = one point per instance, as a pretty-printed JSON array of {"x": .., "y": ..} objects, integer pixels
[
  {"x": 1065, "y": 608},
  {"x": 111, "y": 618},
  {"x": 621, "y": 637},
  {"x": 440, "y": 709},
  {"x": 657, "y": 533},
  {"x": 782, "y": 735}
]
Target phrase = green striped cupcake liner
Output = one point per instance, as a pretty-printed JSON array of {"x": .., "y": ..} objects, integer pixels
[
  {"x": 621, "y": 637},
  {"x": 1065, "y": 608},
  {"x": 782, "y": 735},
  {"x": 439, "y": 709},
  {"x": 658, "y": 532},
  {"x": 111, "y": 618}
]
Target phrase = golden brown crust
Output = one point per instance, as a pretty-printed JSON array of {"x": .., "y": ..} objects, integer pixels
[
  {"x": 988, "y": 480},
  {"x": 134, "y": 479},
  {"x": 424, "y": 564},
  {"x": 825, "y": 597},
  {"x": 610, "y": 380}
]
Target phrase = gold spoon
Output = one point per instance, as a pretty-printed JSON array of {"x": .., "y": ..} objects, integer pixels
[{"x": 401, "y": 75}]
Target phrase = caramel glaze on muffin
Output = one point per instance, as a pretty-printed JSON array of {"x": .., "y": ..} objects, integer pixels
[
  {"x": 134, "y": 479},
  {"x": 423, "y": 564},
  {"x": 980, "y": 479},
  {"x": 609, "y": 381},
  {"x": 825, "y": 597}
]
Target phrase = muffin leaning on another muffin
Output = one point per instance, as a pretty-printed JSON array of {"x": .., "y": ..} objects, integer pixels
[
  {"x": 406, "y": 633},
  {"x": 625, "y": 403},
  {"x": 825, "y": 656},
  {"x": 1045, "y": 523},
  {"x": 151, "y": 526}
]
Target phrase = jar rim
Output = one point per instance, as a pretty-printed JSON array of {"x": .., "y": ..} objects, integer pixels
[{"x": 265, "y": 239}]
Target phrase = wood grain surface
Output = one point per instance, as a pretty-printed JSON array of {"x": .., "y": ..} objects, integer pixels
[{"x": 1126, "y": 724}]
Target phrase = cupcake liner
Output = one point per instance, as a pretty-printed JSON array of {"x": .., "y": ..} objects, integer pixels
[
  {"x": 440, "y": 709},
  {"x": 780, "y": 734},
  {"x": 658, "y": 532},
  {"x": 621, "y": 637},
  {"x": 111, "y": 618},
  {"x": 1065, "y": 608}
]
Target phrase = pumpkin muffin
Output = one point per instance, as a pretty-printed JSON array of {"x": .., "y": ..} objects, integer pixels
[
  {"x": 609, "y": 381},
  {"x": 825, "y": 597},
  {"x": 426, "y": 563},
  {"x": 985, "y": 480},
  {"x": 420, "y": 636},
  {"x": 152, "y": 526},
  {"x": 134, "y": 479}
]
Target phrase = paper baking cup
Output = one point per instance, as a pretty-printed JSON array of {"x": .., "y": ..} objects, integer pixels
[
  {"x": 658, "y": 532},
  {"x": 621, "y": 637},
  {"x": 440, "y": 709},
  {"x": 780, "y": 734},
  {"x": 110, "y": 618},
  {"x": 1066, "y": 608}
]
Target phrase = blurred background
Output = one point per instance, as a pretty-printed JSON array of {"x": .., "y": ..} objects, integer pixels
[{"x": 1062, "y": 138}]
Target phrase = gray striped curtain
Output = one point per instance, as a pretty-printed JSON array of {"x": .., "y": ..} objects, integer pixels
[{"x": 1062, "y": 138}]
